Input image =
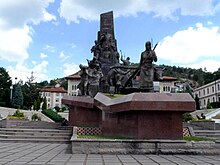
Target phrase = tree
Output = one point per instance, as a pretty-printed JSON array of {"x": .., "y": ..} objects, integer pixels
[
  {"x": 38, "y": 102},
  {"x": 17, "y": 97},
  {"x": 35, "y": 105},
  {"x": 209, "y": 106},
  {"x": 44, "y": 106},
  {"x": 197, "y": 102},
  {"x": 5, "y": 84}
]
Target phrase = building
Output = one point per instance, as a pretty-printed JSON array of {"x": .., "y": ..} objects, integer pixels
[
  {"x": 53, "y": 95},
  {"x": 73, "y": 81},
  {"x": 208, "y": 93},
  {"x": 167, "y": 84}
]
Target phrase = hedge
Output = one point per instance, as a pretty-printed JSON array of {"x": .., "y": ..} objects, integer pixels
[{"x": 52, "y": 115}]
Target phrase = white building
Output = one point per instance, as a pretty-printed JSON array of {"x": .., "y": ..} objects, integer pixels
[
  {"x": 73, "y": 81},
  {"x": 167, "y": 84},
  {"x": 208, "y": 93},
  {"x": 53, "y": 95}
]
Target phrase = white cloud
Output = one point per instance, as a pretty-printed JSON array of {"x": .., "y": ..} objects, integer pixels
[
  {"x": 69, "y": 68},
  {"x": 19, "y": 13},
  {"x": 42, "y": 55},
  {"x": 22, "y": 71},
  {"x": 210, "y": 65},
  {"x": 73, "y": 10},
  {"x": 190, "y": 46},
  {"x": 15, "y": 30},
  {"x": 50, "y": 48},
  {"x": 63, "y": 57}
]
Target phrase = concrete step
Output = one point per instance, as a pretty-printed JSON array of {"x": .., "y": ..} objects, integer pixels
[
  {"x": 34, "y": 133},
  {"x": 16, "y": 140},
  {"x": 34, "y": 137},
  {"x": 35, "y": 130}
]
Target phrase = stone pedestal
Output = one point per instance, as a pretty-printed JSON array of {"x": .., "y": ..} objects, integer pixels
[
  {"x": 82, "y": 111},
  {"x": 137, "y": 115},
  {"x": 145, "y": 115}
]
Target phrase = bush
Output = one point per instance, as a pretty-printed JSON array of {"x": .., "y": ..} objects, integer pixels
[
  {"x": 57, "y": 108},
  {"x": 18, "y": 115},
  {"x": 215, "y": 104},
  {"x": 35, "y": 117},
  {"x": 52, "y": 115},
  {"x": 2, "y": 104},
  {"x": 186, "y": 117}
]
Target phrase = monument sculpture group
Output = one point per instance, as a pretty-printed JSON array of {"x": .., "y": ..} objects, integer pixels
[{"x": 139, "y": 113}]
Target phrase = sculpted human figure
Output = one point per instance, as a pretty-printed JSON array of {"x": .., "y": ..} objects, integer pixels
[
  {"x": 147, "y": 69},
  {"x": 126, "y": 62}
]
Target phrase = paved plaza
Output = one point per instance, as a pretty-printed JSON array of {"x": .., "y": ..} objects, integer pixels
[{"x": 47, "y": 153}]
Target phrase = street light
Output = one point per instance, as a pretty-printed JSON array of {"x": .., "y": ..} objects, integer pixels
[{"x": 11, "y": 88}]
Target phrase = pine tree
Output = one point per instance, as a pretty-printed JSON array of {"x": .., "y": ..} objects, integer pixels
[
  {"x": 17, "y": 97},
  {"x": 44, "y": 106},
  {"x": 197, "y": 102},
  {"x": 38, "y": 103},
  {"x": 35, "y": 104}
]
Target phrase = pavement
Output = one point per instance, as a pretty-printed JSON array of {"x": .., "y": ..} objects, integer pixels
[{"x": 60, "y": 154}]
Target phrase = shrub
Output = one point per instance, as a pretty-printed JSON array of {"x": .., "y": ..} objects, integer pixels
[
  {"x": 35, "y": 117},
  {"x": 18, "y": 115},
  {"x": 57, "y": 108},
  {"x": 2, "y": 104},
  {"x": 209, "y": 105},
  {"x": 52, "y": 115},
  {"x": 215, "y": 104},
  {"x": 186, "y": 117}
]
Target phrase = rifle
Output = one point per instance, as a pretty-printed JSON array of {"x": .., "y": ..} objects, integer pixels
[{"x": 137, "y": 70}]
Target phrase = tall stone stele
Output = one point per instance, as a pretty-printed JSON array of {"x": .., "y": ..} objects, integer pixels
[{"x": 105, "y": 48}]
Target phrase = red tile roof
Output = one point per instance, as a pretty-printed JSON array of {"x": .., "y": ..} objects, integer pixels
[
  {"x": 53, "y": 89},
  {"x": 168, "y": 78},
  {"x": 73, "y": 77}
]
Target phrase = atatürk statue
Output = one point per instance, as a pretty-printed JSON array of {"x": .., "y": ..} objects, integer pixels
[{"x": 147, "y": 68}]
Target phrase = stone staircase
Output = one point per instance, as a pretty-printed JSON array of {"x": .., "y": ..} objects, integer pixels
[
  {"x": 215, "y": 134},
  {"x": 35, "y": 135}
]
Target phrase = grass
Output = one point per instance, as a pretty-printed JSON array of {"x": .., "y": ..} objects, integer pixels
[
  {"x": 193, "y": 138},
  {"x": 15, "y": 117},
  {"x": 100, "y": 137},
  {"x": 113, "y": 96}
]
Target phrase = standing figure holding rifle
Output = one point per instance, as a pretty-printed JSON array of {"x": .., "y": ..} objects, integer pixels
[{"x": 147, "y": 69}]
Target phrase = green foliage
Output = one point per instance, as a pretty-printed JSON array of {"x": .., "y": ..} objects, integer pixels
[
  {"x": 193, "y": 138},
  {"x": 101, "y": 137},
  {"x": 35, "y": 117},
  {"x": 17, "y": 96},
  {"x": 5, "y": 84},
  {"x": 30, "y": 93},
  {"x": 209, "y": 106},
  {"x": 215, "y": 104},
  {"x": 197, "y": 102},
  {"x": 44, "y": 106},
  {"x": 186, "y": 117},
  {"x": 18, "y": 115},
  {"x": 35, "y": 105},
  {"x": 38, "y": 103},
  {"x": 52, "y": 115},
  {"x": 57, "y": 108}
]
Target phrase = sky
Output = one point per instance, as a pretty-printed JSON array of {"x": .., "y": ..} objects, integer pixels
[{"x": 52, "y": 37}]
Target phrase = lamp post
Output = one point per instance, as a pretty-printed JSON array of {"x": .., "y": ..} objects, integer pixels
[{"x": 11, "y": 88}]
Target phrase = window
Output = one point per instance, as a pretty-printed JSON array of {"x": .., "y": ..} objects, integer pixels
[
  {"x": 48, "y": 105},
  {"x": 199, "y": 93},
  {"x": 218, "y": 87},
  {"x": 213, "y": 90},
  {"x": 57, "y": 100},
  {"x": 164, "y": 88},
  {"x": 203, "y": 91},
  {"x": 48, "y": 100},
  {"x": 48, "y": 94},
  {"x": 204, "y": 103},
  {"x": 168, "y": 88},
  {"x": 213, "y": 99},
  {"x": 207, "y": 90},
  {"x": 57, "y": 94}
]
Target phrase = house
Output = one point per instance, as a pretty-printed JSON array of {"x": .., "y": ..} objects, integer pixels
[
  {"x": 53, "y": 95},
  {"x": 208, "y": 93},
  {"x": 73, "y": 81},
  {"x": 167, "y": 84}
]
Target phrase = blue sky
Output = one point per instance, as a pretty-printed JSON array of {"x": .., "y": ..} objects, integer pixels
[{"x": 52, "y": 37}]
